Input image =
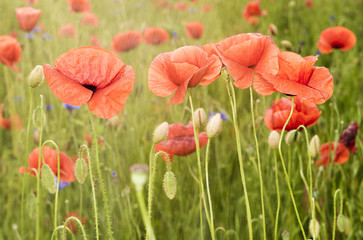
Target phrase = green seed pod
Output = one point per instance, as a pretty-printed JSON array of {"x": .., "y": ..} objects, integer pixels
[
  {"x": 273, "y": 140},
  {"x": 48, "y": 180},
  {"x": 314, "y": 146},
  {"x": 161, "y": 133},
  {"x": 31, "y": 205},
  {"x": 286, "y": 45},
  {"x": 341, "y": 222},
  {"x": 214, "y": 126},
  {"x": 199, "y": 117},
  {"x": 314, "y": 229},
  {"x": 36, "y": 77},
  {"x": 81, "y": 170},
  {"x": 169, "y": 185},
  {"x": 291, "y": 137},
  {"x": 285, "y": 235}
]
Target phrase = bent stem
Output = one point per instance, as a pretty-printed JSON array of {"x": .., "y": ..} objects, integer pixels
[
  {"x": 287, "y": 178},
  {"x": 104, "y": 196},
  {"x": 207, "y": 183},
  {"x": 278, "y": 197},
  {"x": 335, "y": 209},
  {"x": 26, "y": 162},
  {"x": 60, "y": 228},
  {"x": 201, "y": 185},
  {"x": 79, "y": 224},
  {"x": 232, "y": 99},
  {"x": 140, "y": 200},
  {"x": 259, "y": 165}
]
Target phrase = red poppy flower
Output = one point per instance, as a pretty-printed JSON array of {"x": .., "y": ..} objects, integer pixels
[
  {"x": 51, "y": 159},
  {"x": 210, "y": 49},
  {"x": 79, "y": 5},
  {"x": 309, "y": 4},
  {"x": 194, "y": 30},
  {"x": 245, "y": 54},
  {"x": 30, "y": 2},
  {"x": 305, "y": 113},
  {"x": 71, "y": 224},
  {"x": 251, "y": 10},
  {"x": 183, "y": 68},
  {"x": 10, "y": 51},
  {"x": 336, "y": 37},
  {"x": 67, "y": 30},
  {"x": 91, "y": 75},
  {"x": 180, "y": 6},
  {"x": 124, "y": 42},
  {"x": 207, "y": 7},
  {"x": 181, "y": 140},
  {"x": 155, "y": 36},
  {"x": 348, "y": 136},
  {"x": 14, "y": 122},
  {"x": 297, "y": 76},
  {"x": 90, "y": 19},
  {"x": 341, "y": 154},
  {"x": 27, "y": 17}
]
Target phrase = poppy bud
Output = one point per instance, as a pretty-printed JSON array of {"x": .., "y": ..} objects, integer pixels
[
  {"x": 214, "y": 126},
  {"x": 285, "y": 235},
  {"x": 36, "y": 77},
  {"x": 114, "y": 122},
  {"x": 36, "y": 136},
  {"x": 31, "y": 205},
  {"x": 273, "y": 140},
  {"x": 314, "y": 228},
  {"x": 139, "y": 175},
  {"x": 161, "y": 133},
  {"x": 314, "y": 146},
  {"x": 48, "y": 180},
  {"x": 81, "y": 170},
  {"x": 286, "y": 44},
  {"x": 341, "y": 222},
  {"x": 291, "y": 137},
  {"x": 272, "y": 29},
  {"x": 169, "y": 184},
  {"x": 199, "y": 117}
]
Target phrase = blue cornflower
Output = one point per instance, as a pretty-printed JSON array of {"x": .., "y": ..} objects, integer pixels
[
  {"x": 224, "y": 115},
  {"x": 70, "y": 107},
  {"x": 62, "y": 184},
  {"x": 49, "y": 107}
]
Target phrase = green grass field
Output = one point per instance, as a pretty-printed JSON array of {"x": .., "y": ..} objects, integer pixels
[{"x": 130, "y": 141}]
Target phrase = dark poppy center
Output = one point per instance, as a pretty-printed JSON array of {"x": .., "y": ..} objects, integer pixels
[
  {"x": 338, "y": 45},
  {"x": 252, "y": 66},
  {"x": 90, "y": 87}
]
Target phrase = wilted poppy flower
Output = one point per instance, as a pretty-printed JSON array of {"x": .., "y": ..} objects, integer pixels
[
  {"x": 341, "y": 154},
  {"x": 10, "y": 51},
  {"x": 194, "y": 30},
  {"x": 245, "y": 54},
  {"x": 251, "y": 10},
  {"x": 336, "y": 37},
  {"x": 348, "y": 136},
  {"x": 79, "y": 5},
  {"x": 71, "y": 224},
  {"x": 210, "y": 49},
  {"x": 297, "y": 76},
  {"x": 305, "y": 113},
  {"x": 67, "y": 30},
  {"x": 154, "y": 36},
  {"x": 181, "y": 140},
  {"x": 91, "y": 75},
  {"x": 90, "y": 19},
  {"x": 183, "y": 68},
  {"x": 124, "y": 42},
  {"x": 51, "y": 159},
  {"x": 27, "y": 17}
]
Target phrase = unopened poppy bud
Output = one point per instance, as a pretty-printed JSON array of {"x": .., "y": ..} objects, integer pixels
[
  {"x": 285, "y": 235},
  {"x": 214, "y": 126},
  {"x": 291, "y": 137},
  {"x": 81, "y": 170},
  {"x": 161, "y": 133},
  {"x": 139, "y": 175},
  {"x": 272, "y": 29},
  {"x": 341, "y": 222},
  {"x": 314, "y": 228},
  {"x": 169, "y": 185},
  {"x": 114, "y": 122},
  {"x": 36, "y": 136},
  {"x": 31, "y": 205},
  {"x": 314, "y": 146},
  {"x": 199, "y": 117},
  {"x": 273, "y": 140},
  {"x": 48, "y": 180},
  {"x": 286, "y": 44},
  {"x": 36, "y": 77}
]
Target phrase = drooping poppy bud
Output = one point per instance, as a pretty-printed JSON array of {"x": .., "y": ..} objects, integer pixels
[
  {"x": 161, "y": 133},
  {"x": 169, "y": 184}
]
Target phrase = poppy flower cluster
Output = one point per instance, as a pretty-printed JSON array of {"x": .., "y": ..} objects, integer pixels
[
  {"x": 305, "y": 113},
  {"x": 10, "y": 51},
  {"x": 341, "y": 149},
  {"x": 252, "y": 11},
  {"x": 51, "y": 159},
  {"x": 180, "y": 140},
  {"x": 27, "y": 17},
  {"x": 91, "y": 75},
  {"x": 336, "y": 38}
]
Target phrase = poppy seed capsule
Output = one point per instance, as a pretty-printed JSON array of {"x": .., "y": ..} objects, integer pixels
[
  {"x": 139, "y": 175},
  {"x": 48, "y": 180},
  {"x": 341, "y": 222},
  {"x": 169, "y": 185},
  {"x": 291, "y": 137},
  {"x": 161, "y": 133},
  {"x": 286, "y": 44},
  {"x": 81, "y": 170},
  {"x": 214, "y": 126},
  {"x": 314, "y": 146},
  {"x": 314, "y": 228},
  {"x": 36, "y": 77},
  {"x": 199, "y": 117},
  {"x": 273, "y": 140}
]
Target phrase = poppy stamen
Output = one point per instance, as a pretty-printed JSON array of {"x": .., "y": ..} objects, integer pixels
[{"x": 90, "y": 87}]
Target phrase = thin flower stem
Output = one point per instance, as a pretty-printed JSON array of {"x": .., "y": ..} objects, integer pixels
[
  {"x": 259, "y": 165},
  {"x": 207, "y": 185},
  {"x": 79, "y": 224},
  {"x": 92, "y": 186},
  {"x": 61, "y": 227},
  {"x": 25, "y": 161},
  {"x": 232, "y": 99},
  {"x": 313, "y": 218},
  {"x": 104, "y": 196},
  {"x": 337, "y": 192},
  {"x": 201, "y": 185},
  {"x": 285, "y": 172},
  {"x": 278, "y": 197},
  {"x": 140, "y": 200}
]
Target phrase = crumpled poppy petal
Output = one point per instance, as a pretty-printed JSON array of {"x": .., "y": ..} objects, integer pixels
[
  {"x": 341, "y": 154},
  {"x": 214, "y": 70},
  {"x": 179, "y": 94}
]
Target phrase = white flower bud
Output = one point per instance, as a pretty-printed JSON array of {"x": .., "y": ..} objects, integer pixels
[
  {"x": 314, "y": 228},
  {"x": 199, "y": 117},
  {"x": 214, "y": 126},
  {"x": 36, "y": 77},
  {"x": 291, "y": 137},
  {"x": 314, "y": 146},
  {"x": 161, "y": 133},
  {"x": 273, "y": 140}
]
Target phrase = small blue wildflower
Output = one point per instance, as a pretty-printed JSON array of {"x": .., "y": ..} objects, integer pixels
[
  {"x": 332, "y": 17},
  {"x": 175, "y": 34},
  {"x": 302, "y": 43},
  {"x": 18, "y": 98},
  {"x": 113, "y": 174},
  {"x": 46, "y": 36},
  {"x": 49, "y": 107},
  {"x": 36, "y": 29},
  {"x": 192, "y": 10},
  {"x": 70, "y": 107},
  {"x": 28, "y": 35},
  {"x": 224, "y": 115},
  {"x": 317, "y": 53},
  {"x": 62, "y": 184}
]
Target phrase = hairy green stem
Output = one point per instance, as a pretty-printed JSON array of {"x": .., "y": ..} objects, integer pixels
[
  {"x": 207, "y": 185},
  {"x": 278, "y": 197},
  {"x": 140, "y": 200},
  {"x": 60, "y": 228},
  {"x": 79, "y": 224},
  {"x": 337, "y": 192}
]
